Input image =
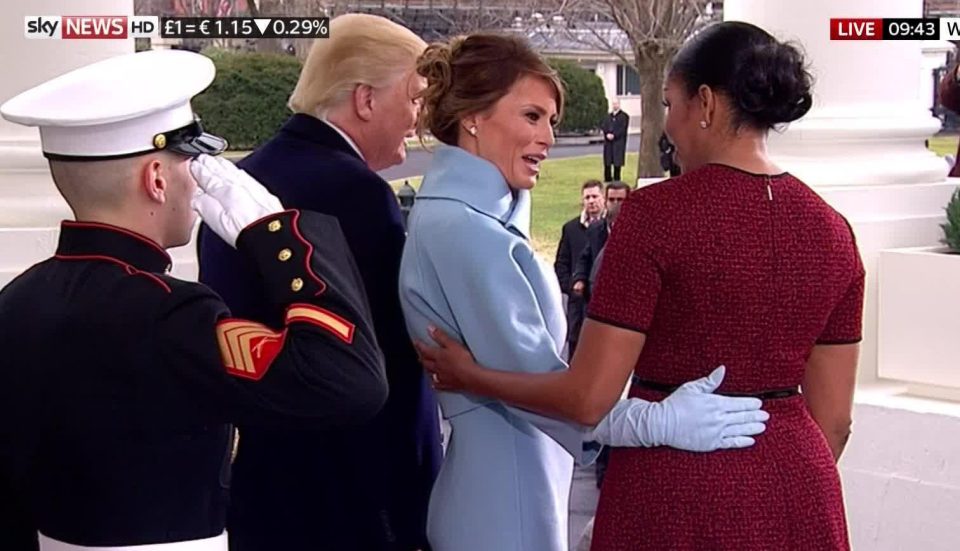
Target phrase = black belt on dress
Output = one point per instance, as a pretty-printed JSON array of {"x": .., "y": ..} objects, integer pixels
[{"x": 764, "y": 395}]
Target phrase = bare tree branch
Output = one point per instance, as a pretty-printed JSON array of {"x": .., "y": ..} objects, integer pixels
[{"x": 644, "y": 35}]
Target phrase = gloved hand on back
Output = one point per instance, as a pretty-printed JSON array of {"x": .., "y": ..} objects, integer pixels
[{"x": 692, "y": 419}]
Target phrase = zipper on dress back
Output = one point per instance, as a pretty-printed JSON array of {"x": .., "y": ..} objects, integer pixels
[{"x": 774, "y": 252}]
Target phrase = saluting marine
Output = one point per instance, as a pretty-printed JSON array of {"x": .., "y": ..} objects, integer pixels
[{"x": 120, "y": 381}]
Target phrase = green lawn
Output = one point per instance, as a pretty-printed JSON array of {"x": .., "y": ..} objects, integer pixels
[{"x": 556, "y": 198}]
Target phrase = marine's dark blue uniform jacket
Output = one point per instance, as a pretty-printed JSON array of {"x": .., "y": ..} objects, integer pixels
[
  {"x": 118, "y": 381},
  {"x": 363, "y": 490}
]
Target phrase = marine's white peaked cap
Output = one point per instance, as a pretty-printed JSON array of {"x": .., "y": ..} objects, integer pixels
[{"x": 121, "y": 106}]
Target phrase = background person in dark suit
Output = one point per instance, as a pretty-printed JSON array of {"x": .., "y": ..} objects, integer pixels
[
  {"x": 614, "y": 128},
  {"x": 668, "y": 160},
  {"x": 585, "y": 272},
  {"x": 573, "y": 238},
  {"x": 367, "y": 489},
  {"x": 596, "y": 237}
]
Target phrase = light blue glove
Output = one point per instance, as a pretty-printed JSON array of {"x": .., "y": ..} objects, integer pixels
[{"x": 692, "y": 419}]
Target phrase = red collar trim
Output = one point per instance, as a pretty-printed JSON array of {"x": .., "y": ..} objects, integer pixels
[{"x": 118, "y": 229}]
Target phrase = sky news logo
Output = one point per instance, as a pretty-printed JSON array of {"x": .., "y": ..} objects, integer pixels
[{"x": 80, "y": 27}]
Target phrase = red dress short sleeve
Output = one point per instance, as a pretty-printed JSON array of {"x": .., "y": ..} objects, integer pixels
[{"x": 629, "y": 279}]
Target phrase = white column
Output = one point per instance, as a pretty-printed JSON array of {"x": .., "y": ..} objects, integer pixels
[
  {"x": 862, "y": 144},
  {"x": 862, "y": 148},
  {"x": 30, "y": 208},
  {"x": 934, "y": 56}
]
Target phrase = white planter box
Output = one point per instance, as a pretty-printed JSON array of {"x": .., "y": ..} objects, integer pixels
[
  {"x": 644, "y": 182},
  {"x": 919, "y": 301}
]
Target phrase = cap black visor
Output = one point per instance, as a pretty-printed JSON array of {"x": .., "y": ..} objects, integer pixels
[
  {"x": 192, "y": 141},
  {"x": 189, "y": 140}
]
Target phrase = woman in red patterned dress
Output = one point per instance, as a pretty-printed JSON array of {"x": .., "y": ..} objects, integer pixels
[{"x": 736, "y": 263}]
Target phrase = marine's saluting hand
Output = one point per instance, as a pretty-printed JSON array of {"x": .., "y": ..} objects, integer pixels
[{"x": 228, "y": 199}]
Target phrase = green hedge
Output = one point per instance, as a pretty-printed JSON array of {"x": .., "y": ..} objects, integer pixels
[
  {"x": 586, "y": 104},
  {"x": 247, "y": 102}
]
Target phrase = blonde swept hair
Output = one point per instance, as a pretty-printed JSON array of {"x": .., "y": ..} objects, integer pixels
[{"x": 362, "y": 49}]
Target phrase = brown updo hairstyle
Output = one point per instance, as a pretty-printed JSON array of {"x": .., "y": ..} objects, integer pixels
[{"x": 471, "y": 73}]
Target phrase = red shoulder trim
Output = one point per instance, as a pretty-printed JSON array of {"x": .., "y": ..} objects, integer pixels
[{"x": 129, "y": 269}]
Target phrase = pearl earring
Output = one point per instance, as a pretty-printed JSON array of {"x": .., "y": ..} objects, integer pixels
[
  {"x": 473, "y": 130},
  {"x": 703, "y": 124}
]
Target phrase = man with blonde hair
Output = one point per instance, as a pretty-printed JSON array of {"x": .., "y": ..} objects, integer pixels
[{"x": 365, "y": 489}]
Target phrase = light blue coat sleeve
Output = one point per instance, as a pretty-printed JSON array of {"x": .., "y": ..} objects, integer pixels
[{"x": 488, "y": 276}]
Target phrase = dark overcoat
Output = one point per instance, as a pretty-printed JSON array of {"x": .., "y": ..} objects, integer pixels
[{"x": 364, "y": 489}]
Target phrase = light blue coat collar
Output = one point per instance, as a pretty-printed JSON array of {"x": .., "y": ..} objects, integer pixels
[{"x": 461, "y": 176}]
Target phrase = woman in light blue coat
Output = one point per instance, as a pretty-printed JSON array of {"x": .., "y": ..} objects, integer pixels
[{"x": 469, "y": 270}]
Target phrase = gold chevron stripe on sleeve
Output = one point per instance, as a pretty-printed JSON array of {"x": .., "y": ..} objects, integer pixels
[
  {"x": 326, "y": 319},
  {"x": 234, "y": 338}
]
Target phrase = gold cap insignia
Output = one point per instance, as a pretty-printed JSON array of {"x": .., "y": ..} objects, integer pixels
[{"x": 159, "y": 141}]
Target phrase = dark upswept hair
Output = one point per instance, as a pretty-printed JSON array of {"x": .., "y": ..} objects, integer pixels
[
  {"x": 767, "y": 81},
  {"x": 469, "y": 74}
]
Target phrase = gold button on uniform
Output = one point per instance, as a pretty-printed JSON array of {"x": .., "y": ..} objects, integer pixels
[
  {"x": 274, "y": 226},
  {"x": 296, "y": 284},
  {"x": 285, "y": 255}
]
